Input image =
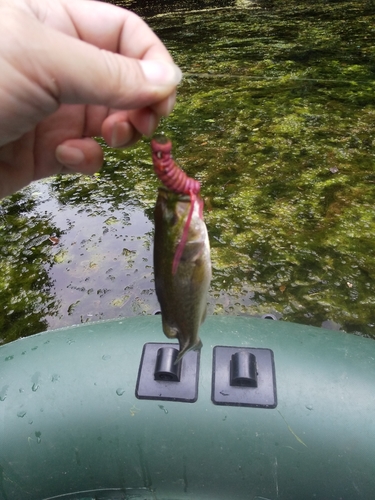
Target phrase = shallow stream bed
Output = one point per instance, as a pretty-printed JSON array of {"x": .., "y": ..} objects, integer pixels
[{"x": 275, "y": 116}]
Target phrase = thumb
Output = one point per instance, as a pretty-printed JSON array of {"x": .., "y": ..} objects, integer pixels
[{"x": 80, "y": 73}]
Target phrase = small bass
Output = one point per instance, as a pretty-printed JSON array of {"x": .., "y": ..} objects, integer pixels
[{"x": 182, "y": 264}]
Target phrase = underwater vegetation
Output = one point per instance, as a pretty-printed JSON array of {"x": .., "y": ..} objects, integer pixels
[{"x": 275, "y": 118}]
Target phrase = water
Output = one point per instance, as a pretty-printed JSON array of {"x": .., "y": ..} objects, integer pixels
[{"x": 275, "y": 117}]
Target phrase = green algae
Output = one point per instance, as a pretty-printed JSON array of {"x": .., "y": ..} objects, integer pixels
[
  {"x": 24, "y": 280},
  {"x": 275, "y": 117}
]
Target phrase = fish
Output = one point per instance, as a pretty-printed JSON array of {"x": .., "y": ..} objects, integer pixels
[{"x": 182, "y": 266}]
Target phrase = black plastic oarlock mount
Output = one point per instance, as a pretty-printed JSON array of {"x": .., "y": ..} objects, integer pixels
[
  {"x": 243, "y": 369},
  {"x": 243, "y": 377},
  {"x": 161, "y": 378},
  {"x": 240, "y": 376},
  {"x": 166, "y": 367}
]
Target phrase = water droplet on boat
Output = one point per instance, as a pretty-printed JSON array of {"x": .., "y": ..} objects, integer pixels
[
  {"x": 3, "y": 393},
  {"x": 106, "y": 356},
  {"x": 21, "y": 413},
  {"x": 35, "y": 387},
  {"x": 120, "y": 391},
  {"x": 38, "y": 436},
  {"x": 309, "y": 407}
]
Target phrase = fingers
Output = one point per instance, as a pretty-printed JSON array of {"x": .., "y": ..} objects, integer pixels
[
  {"x": 56, "y": 67},
  {"x": 80, "y": 155},
  {"x": 165, "y": 107},
  {"x": 109, "y": 79},
  {"x": 114, "y": 29},
  {"x": 67, "y": 65},
  {"x": 11, "y": 181},
  {"x": 118, "y": 131},
  {"x": 124, "y": 128},
  {"x": 118, "y": 30},
  {"x": 16, "y": 165},
  {"x": 118, "y": 61}
]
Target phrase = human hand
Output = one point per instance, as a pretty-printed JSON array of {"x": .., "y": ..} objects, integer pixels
[{"x": 71, "y": 70}]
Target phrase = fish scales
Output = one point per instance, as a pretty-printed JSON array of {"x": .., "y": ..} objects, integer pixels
[{"x": 182, "y": 293}]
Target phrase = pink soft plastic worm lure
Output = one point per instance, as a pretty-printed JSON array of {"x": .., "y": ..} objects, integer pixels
[
  {"x": 178, "y": 182},
  {"x": 168, "y": 171}
]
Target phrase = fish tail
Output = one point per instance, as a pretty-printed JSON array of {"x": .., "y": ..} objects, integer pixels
[{"x": 195, "y": 347}]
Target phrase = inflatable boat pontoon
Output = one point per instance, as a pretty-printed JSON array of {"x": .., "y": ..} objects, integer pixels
[{"x": 267, "y": 410}]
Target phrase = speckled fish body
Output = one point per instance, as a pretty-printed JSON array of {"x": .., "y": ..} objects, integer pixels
[{"x": 182, "y": 294}]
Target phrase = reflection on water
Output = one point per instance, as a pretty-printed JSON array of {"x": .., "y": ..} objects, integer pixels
[
  {"x": 103, "y": 264},
  {"x": 91, "y": 262},
  {"x": 275, "y": 116}
]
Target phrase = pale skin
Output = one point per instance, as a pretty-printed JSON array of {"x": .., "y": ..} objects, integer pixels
[{"x": 71, "y": 70}]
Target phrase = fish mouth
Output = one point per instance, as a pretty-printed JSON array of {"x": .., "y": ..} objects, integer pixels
[{"x": 170, "y": 195}]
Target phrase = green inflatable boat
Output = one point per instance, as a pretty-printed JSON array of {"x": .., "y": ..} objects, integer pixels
[{"x": 267, "y": 410}]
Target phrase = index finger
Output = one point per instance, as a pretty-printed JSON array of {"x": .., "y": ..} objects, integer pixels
[{"x": 110, "y": 28}]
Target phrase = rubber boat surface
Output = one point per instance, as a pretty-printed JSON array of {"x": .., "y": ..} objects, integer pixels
[{"x": 77, "y": 422}]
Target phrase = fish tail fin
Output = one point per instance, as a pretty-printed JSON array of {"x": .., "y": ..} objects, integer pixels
[
  {"x": 198, "y": 346},
  {"x": 195, "y": 347}
]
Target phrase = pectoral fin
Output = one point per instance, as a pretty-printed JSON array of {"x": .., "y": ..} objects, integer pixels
[
  {"x": 170, "y": 331},
  {"x": 193, "y": 250},
  {"x": 204, "y": 314}
]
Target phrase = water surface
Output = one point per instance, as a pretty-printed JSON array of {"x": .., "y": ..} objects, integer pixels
[{"x": 275, "y": 117}]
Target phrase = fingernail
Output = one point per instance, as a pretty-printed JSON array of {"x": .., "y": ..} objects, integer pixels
[
  {"x": 152, "y": 125},
  {"x": 169, "y": 105},
  {"x": 161, "y": 73},
  {"x": 69, "y": 156},
  {"x": 120, "y": 135}
]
